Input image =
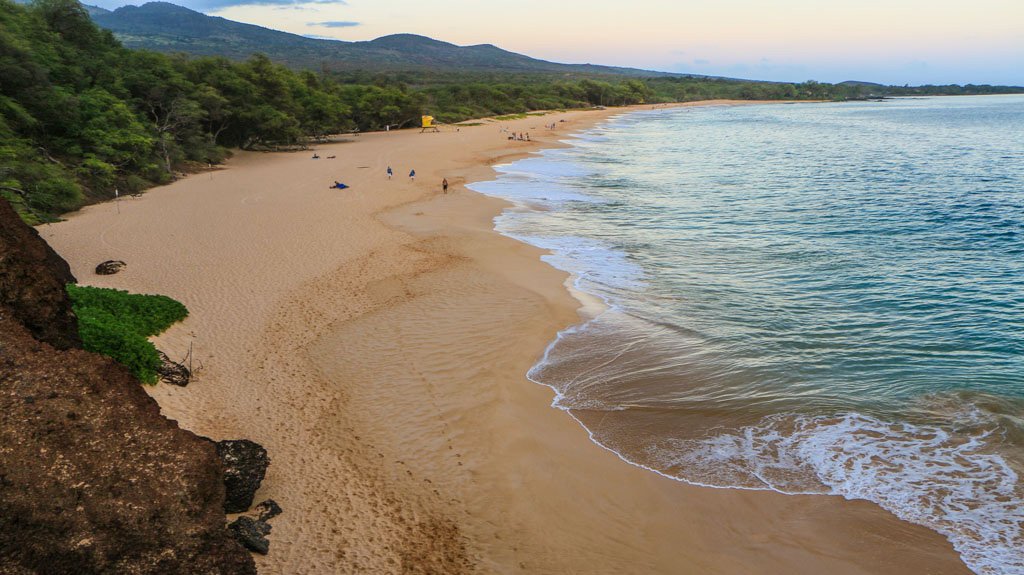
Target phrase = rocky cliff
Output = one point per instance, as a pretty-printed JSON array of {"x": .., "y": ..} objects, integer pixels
[
  {"x": 32, "y": 280},
  {"x": 92, "y": 478}
]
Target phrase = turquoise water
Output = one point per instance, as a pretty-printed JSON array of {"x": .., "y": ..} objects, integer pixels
[{"x": 812, "y": 298}]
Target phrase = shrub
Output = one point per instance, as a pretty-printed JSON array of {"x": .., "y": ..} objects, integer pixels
[
  {"x": 134, "y": 184},
  {"x": 117, "y": 324},
  {"x": 102, "y": 333}
]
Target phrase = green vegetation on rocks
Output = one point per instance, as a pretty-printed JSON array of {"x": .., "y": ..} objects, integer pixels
[{"x": 117, "y": 324}]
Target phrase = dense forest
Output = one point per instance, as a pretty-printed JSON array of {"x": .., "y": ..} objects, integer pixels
[{"x": 81, "y": 115}]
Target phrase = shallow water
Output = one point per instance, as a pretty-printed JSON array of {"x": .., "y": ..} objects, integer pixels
[{"x": 812, "y": 298}]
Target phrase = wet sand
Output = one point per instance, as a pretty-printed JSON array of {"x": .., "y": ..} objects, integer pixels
[{"x": 375, "y": 340}]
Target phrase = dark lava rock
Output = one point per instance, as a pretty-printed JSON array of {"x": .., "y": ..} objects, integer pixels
[
  {"x": 268, "y": 510},
  {"x": 93, "y": 480},
  {"x": 251, "y": 533},
  {"x": 32, "y": 280},
  {"x": 110, "y": 267},
  {"x": 245, "y": 465}
]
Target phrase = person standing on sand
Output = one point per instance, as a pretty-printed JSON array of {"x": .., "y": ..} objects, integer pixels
[
  {"x": 390, "y": 173},
  {"x": 444, "y": 185},
  {"x": 412, "y": 175}
]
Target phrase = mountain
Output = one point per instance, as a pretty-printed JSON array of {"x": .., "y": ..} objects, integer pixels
[
  {"x": 95, "y": 11},
  {"x": 166, "y": 27},
  {"x": 861, "y": 84}
]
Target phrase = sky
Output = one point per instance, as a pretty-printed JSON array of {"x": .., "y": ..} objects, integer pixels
[{"x": 886, "y": 41}]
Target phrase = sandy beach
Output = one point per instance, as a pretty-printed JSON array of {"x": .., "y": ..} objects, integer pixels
[{"x": 375, "y": 340}]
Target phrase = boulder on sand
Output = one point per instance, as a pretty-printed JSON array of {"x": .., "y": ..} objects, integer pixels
[
  {"x": 110, "y": 267},
  {"x": 251, "y": 533},
  {"x": 245, "y": 465},
  {"x": 268, "y": 510}
]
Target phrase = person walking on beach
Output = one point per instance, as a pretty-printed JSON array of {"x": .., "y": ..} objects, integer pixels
[
  {"x": 444, "y": 185},
  {"x": 412, "y": 175},
  {"x": 390, "y": 173}
]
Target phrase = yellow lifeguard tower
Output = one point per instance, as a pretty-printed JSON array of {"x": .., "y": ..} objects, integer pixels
[{"x": 428, "y": 124}]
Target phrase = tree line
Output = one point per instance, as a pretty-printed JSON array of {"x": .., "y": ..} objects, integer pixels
[{"x": 81, "y": 116}]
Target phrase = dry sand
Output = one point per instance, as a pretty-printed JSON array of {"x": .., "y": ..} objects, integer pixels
[{"x": 375, "y": 341}]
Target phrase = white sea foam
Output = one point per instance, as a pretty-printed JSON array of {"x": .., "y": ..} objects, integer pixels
[
  {"x": 950, "y": 483},
  {"x": 542, "y": 166},
  {"x": 533, "y": 183},
  {"x": 577, "y": 255}
]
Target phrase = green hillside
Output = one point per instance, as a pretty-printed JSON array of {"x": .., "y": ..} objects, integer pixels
[{"x": 167, "y": 27}]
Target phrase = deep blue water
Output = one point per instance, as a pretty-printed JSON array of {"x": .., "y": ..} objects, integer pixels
[{"x": 810, "y": 298}]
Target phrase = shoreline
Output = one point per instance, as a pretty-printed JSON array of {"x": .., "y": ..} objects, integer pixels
[{"x": 376, "y": 341}]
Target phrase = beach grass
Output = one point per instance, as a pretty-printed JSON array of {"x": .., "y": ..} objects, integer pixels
[{"x": 117, "y": 324}]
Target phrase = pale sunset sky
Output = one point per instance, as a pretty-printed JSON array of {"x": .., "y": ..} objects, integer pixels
[{"x": 886, "y": 41}]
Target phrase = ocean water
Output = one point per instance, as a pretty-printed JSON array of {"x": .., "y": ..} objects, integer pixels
[{"x": 809, "y": 298}]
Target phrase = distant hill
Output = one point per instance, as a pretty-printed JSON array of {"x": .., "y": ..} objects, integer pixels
[
  {"x": 166, "y": 27},
  {"x": 861, "y": 84},
  {"x": 95, "y": 11}
]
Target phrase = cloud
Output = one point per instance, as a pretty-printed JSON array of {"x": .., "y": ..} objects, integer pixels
[{"x": 342, "y": 24}]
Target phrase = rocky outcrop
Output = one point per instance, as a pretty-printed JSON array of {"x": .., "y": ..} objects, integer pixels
[
  {"x": 251, "y": 531},
  {"x": 268, "y": 510},
  {"x": 245, "y": 465},
  {"x": 93, "y": 479},
  {"x": 32, "y": 280},
  {"x": 252, "y": 534}
]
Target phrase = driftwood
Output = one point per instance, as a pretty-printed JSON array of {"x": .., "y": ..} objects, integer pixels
[{"x": 173, "y": 372}]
